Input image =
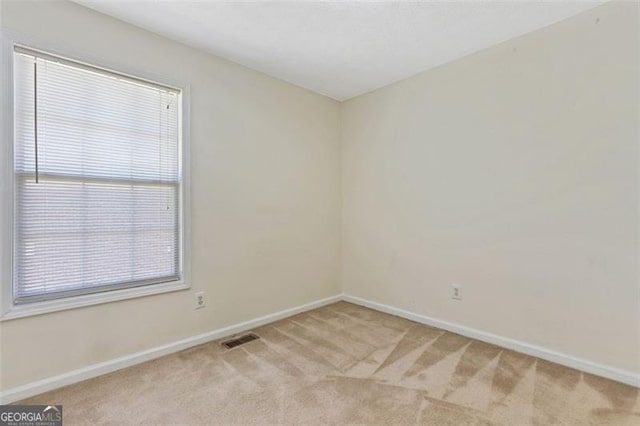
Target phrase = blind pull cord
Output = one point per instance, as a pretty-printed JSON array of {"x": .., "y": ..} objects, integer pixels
[{"x": 35, "y": 114}]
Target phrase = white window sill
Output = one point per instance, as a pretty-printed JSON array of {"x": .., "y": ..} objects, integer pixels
[{"x": 39, "y": 308}]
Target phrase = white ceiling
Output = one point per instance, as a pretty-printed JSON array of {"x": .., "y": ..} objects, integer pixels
[{"x": 340, "y": 49}]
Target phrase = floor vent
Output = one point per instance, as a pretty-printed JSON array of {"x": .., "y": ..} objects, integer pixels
[{"x": 240, "y": 340}]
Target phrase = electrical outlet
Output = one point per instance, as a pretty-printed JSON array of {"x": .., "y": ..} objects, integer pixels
[
  {"x": 201, "y": 301},
  {"x": 456, "y": 292}
]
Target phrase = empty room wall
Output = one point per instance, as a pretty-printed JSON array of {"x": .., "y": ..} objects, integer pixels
[
  {"x": 265, "y": 172},
  {"x": 513, "y": 173}
]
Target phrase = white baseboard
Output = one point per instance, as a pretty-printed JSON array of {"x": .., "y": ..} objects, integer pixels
[
  {"x": 623, "y": 376},
  {"x": 40, "y": 386}
]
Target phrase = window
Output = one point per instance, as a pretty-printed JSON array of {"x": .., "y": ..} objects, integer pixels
[{"x": 98, "y": 180}]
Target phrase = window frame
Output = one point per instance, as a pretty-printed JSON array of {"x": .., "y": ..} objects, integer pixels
[{"x": 8, "y": 309}]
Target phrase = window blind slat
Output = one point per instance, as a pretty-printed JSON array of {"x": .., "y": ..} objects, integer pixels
[{"x": 104, "y": 211}]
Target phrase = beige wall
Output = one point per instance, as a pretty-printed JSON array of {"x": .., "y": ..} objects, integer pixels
[
  {"x": 265, "y": 200},
  {"x": 514, "y": 173}
]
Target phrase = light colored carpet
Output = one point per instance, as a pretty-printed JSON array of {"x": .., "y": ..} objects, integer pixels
[{"x": 345, "y": 364}]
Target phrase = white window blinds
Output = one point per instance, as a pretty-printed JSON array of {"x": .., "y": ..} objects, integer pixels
[{"x": 97, "y": 180}]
